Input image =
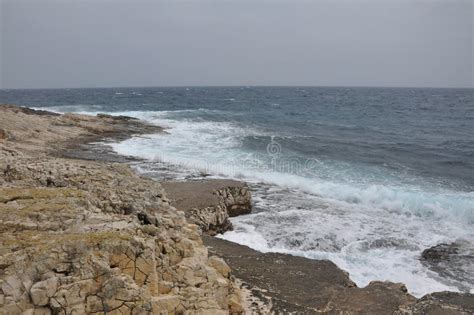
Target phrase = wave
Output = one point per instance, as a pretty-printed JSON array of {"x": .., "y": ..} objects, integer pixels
[
  {"x": 371, "y": 244},
  {"x": 385, "y": 263},
  {"x": 368, "y": 222},
  {"x": 215, "y": 147}
]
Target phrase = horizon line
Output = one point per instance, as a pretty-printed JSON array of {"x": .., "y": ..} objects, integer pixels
[{"x": 237, "y": 86}]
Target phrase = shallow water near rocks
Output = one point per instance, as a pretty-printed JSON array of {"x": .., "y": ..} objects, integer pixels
[{"x": 367, "y": 178}]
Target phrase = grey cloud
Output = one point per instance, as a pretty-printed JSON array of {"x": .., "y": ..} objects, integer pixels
[{"x": 74, "y": 43}]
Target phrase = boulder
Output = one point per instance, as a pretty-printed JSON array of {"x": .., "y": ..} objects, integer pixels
[
  {"x": 237, "y": 200},
  {"x": 42, "y": 291},
  {"x": 210, "y": 203},
  {"x": 440, "y": 252},
  {"x": 453, "y": 261}
]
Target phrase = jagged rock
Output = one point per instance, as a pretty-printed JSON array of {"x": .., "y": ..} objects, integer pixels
[
  {"x": 210, "y": 203},
  {"x": 42, "y": 291},
  {"x": 214, "y": 220},
  {"x": 80, "y": 237},
  {"x": 237, "y": 199}
]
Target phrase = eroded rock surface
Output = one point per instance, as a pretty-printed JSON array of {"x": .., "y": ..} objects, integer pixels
[
  {"x": 210, "y": 203},
  {"x": 81, "y": 237}
]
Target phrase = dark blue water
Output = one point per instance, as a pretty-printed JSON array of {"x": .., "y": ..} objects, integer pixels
[
  {"x": 366, "y": 177},
  {"x": 427, "y": 132}
]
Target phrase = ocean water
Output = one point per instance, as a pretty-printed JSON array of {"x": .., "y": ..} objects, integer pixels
[{"x": 365, "y": 177}]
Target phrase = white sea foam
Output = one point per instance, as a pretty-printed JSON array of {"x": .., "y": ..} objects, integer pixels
[
  {"x": 214, "y": 148},
  {"x": 370, "y": 244},
  {"x": 375, "y": 231}
]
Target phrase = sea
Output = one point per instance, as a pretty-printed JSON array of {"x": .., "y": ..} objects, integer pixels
[{"x": 367, "y": 178}]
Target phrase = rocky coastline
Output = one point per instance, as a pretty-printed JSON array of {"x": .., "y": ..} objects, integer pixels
[
  {"x": 81, "y": 233},
  {"x": 81, "y": 237}
]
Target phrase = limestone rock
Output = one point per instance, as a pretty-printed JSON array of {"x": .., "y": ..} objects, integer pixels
[
  {"x": 42, "y": 291},
  {"x": 79, "y": 236},
  {"x": 237, "y": 199},
  {"x": 165, "y": 303},
  {"x": 220, "y": 265},
  {"x": 210, "y": 203}
]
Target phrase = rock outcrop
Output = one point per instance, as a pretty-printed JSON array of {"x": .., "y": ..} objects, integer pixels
[
  {"x": 210, "y": 203},
  {"x": 440, "y": 252},
  {"x": 298, "y": 285},
  {"x": 290, "y": 284},
  {"x": 81, "y": 237},
  {"x": 453, "y": 261},
  {"x": 441, "y": 303}
]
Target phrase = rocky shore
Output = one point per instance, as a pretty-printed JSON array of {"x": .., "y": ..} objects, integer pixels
[
  {"x": 80, "y": 236},
  {"x": 81, "y": 233}
]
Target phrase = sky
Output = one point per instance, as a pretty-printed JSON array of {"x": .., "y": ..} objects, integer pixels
[{"x": 114, "y": 43}]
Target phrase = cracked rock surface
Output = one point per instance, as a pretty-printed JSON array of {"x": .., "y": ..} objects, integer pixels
[
  {"x": 210, "y": 203},
  {"x": 81, "y": 237}
]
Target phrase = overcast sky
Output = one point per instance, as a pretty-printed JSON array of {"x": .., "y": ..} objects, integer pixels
[{"x": 104, "y": 43}]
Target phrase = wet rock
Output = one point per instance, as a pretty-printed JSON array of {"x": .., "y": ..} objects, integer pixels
[
  {"x": 441, "y": 303},
  {"x": 454, "y": 262},
  {"x": 440, "y": 252},
  {"x": 119, "y": 118}
]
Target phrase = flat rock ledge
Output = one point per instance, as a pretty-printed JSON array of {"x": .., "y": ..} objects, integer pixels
[
  {"x": 297, "y": 285},
  {"x": 210, "y": 203}
]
